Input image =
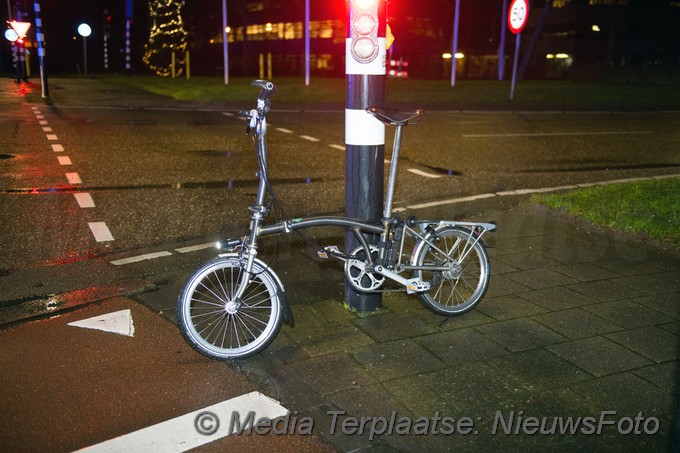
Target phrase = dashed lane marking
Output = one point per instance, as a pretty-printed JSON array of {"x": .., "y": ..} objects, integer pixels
[
  {"x": 100, "y": 231},
  {"x": 195, "y": 248},
  {"x": 84, "y": 200},
  {"x": 73, "y": 178},
  {"x": 309, "y": 138},
  {"x": 340, "y": 147},
  {"x": 52, "y": 137},
  {"x": 64, "y": 160},
  {"x": 138, "y": 258},
  {"x": 284, "y": 130},
  {"x": 57, "y": 148},
  {"x": 195, "y": 428},
  {"x": 47, "y": 129}
]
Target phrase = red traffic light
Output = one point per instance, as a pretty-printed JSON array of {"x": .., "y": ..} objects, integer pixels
[{"x": 364, "y": 4}]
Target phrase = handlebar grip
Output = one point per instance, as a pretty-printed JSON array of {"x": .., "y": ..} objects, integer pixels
[{"x": 265, "y": 85}]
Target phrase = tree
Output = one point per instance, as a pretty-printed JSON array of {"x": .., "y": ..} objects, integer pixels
[{"x": 167, "y": 35}]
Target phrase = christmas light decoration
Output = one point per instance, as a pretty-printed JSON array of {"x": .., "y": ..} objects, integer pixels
[{"x": 167, "y": 35}]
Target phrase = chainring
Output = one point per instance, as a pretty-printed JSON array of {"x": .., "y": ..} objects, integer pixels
[{"x": 355, "y": 270}]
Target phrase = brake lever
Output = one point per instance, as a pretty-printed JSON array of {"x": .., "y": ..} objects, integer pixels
[{"x": 250, "y": 116}]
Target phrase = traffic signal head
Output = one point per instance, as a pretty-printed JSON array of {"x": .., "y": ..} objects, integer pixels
[{"x": 364, "y": 24}]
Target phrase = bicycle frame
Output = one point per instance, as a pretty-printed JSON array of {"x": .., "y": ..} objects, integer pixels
[
  {"x": 232, "y": 307},
  {"x": 258, "y": 123}
]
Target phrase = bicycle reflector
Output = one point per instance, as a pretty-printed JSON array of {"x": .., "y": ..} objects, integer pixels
[{"x": 364, "y": 28}]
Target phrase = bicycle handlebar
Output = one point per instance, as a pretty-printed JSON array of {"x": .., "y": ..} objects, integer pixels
[{"x": 267, "y": 88}]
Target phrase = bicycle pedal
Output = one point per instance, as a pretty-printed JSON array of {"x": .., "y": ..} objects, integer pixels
[
  {"x": 330, "y": 248},
  {"x": 415, "y": 286}
]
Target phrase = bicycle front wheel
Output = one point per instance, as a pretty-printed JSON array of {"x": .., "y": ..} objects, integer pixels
[
  {"x": 220, "y": 326},
  {"x": 462, "y": 285}
]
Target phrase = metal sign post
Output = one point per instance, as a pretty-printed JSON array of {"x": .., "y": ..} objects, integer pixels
[
  {"x": 517, "y": 19},
  {"x": 365, "y": 70}
]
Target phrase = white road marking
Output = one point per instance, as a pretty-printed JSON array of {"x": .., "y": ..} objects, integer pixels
[
  {"x": 227, "y": 114},
  {"x": 47, "y": 129},
  {"x": 196, "y": 248},
  {"x": 42, "y": 122},
  {"x": 182, "y": 433},
  {"x": 57, "y": 148},
  {"x": 138, "y": 258},
  {"x": 340, "y": 147},
  {"x": 39, "y": 117},
  {"x": 422, "y": 173},
  {"x": 119, "y": 322},
  {"x": 100, "y": 231},
  {"x": 73, "y": 178},
  {"x": 284, "y": 130},
  {"x": 539, "y": 190},
  {"x": 64, "y": 160},
  {"x": 536, "y": 190},
  {"x": 52, "y": 137},
  {"x": 84, "y": 200},
  {"x": 555, "y": 134},
  {"x": 311, "y": 139},
  {"x": 451, "y": 201}
]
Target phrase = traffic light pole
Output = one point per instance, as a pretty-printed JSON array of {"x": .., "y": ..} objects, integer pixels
[{"x": 364, "y": 135}]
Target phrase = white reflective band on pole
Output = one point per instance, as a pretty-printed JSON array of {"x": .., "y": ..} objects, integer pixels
[{"x": 362, "y": 128}]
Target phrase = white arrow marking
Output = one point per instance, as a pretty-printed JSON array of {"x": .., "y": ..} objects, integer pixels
[
  {"x": 195, "y": 428},
  {"x": 119, "y": 322}
]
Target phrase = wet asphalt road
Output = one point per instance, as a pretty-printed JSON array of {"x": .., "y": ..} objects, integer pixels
[{"x": 160, "y": 172}]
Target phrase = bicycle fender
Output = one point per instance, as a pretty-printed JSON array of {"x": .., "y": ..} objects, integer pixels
[{"x": 286, "y": 313}]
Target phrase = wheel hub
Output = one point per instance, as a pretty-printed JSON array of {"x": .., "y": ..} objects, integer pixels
[
  {"x": 454, "y": 272},
  {"x": 231, "y": 307}
]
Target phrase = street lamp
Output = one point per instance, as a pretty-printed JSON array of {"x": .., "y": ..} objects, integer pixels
[{"x": 84, "y": 30}]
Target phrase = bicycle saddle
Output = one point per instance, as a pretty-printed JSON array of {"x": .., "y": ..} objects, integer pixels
[{"x": 395, "y": 117}]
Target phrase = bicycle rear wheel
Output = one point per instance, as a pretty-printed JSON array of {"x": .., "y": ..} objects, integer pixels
[
  {"x": 459, "y": 288},
  {"x": 220, "y": 326}
]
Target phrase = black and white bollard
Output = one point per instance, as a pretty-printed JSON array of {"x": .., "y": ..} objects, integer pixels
[{"x": 365, "y": 70}]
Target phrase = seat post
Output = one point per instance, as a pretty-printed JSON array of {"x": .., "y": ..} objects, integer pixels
[{"x": 392, "y": 179}]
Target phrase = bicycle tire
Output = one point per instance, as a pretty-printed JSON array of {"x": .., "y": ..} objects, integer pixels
[
  {"x": 219, "y": 327},
  {"x": 459, "y": 289}
]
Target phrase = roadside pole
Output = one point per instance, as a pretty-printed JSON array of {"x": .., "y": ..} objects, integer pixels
[
  {"x": 518, "y": 13},
  {"x": 364, "y": 135},
  {"x": 45, "y": 92}
]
